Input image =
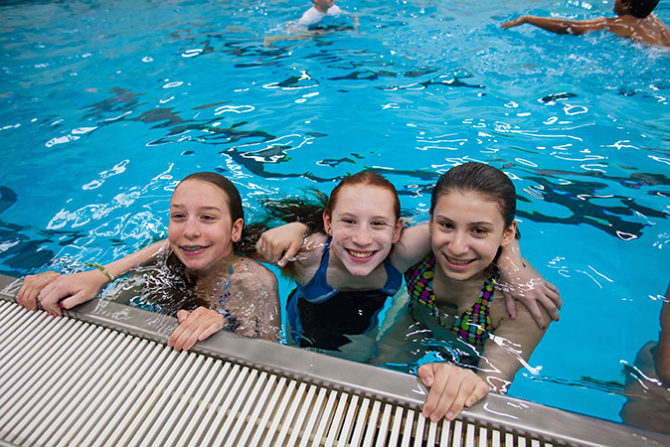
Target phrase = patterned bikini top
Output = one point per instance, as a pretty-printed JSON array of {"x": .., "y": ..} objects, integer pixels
[{"x": 474, "y": 325}]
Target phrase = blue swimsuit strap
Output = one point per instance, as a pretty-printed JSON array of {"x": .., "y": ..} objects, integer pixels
[{"x": 318, "y": 289}]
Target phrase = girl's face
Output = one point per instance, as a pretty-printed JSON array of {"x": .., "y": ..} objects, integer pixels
[
  {"x": 200, "y": 231},
  {"x": 466, "y": 230},
  {"x": 363, "y": 227}
]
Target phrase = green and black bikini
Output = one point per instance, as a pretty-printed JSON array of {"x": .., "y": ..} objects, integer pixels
[{"x": 474, "y": 325}]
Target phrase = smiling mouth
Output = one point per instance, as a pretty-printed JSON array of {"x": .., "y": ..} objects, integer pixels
[
  {"x": 193, "y": 248},
  {"x": 459, "y": 262},
  {"x": 360, "y": 254}
]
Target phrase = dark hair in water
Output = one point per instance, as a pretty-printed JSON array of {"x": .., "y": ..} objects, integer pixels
[
  {"x": 234, "y": 199},
  {"x": 481, "y": 178},
  {"x": 640, "y": 8}
]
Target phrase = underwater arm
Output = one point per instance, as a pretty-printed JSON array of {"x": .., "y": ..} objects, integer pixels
[
  {"x": 508, "y": 349},
  {"x": 520, "y": 281},
  {"x": 77, "y": 288},
  {"x": 559, "y": 26}
]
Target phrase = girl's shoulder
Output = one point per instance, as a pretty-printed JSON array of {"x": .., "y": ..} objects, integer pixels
[{"x": 248, "y": 273}]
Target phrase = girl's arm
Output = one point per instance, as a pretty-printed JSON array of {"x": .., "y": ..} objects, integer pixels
[
  {"x": 413, "y": 246},
  {"x": 260, "y": 315},
  {"x": 280, "y": 245},
  {"x": 519, "y": 281},
  {"x": 509, "y": 348},
  {"x": 49, "y": 288},
  {"x": 289, "y": 246}
]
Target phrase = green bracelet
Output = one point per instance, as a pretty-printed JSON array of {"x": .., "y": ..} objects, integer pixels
[{"x": 102, "y": 269}]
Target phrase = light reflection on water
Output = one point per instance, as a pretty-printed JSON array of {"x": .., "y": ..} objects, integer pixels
[{"x": 96, "y": 135}]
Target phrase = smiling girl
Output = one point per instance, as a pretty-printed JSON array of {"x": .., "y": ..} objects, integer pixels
[
  {"x": 455, "y": 307},
  {"x": 345, "y": 274},
  {"x": 215, "y": 287}
]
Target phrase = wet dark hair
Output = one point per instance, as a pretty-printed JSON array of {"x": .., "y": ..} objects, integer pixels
[
  {"x": 481, "y": 178},
  {"x": 364, "y": 178},
  {"x": 234, "y": 199},
  {"x": 640, "y": 8}
]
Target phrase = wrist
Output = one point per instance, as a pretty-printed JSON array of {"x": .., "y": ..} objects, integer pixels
[{"x": 103, "y": 270}]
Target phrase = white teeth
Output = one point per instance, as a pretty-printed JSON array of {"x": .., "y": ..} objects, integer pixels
[
  {"x": 458, "y": 262},
  {"x": 196, "y": 248},
  {"x": 360, "y": 254}
]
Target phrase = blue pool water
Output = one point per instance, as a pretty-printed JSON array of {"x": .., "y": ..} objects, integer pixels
[{"x": 105, "y": 105}]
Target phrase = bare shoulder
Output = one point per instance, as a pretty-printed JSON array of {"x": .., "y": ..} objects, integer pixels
[{"x": 247, "y": 269}]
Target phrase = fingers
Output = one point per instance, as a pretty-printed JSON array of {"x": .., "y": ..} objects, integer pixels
[
  {"x": 444, "y": 398},
  {"x": 425, "y": 373},
  {"x": 80, "y": 297},
  {"x": 453, "y": 389},
  {"x": 510, "y": 304},
  {"x": 550, "y": 307},
  {"x": 554, "y": 294},
  {"x": 49, "y": 302},
  {"x": 269, "y": 251},
  {"x": 182, "y": 315},
  {"x": 31, "y": 287},
  {"x": 290, "y": 253},
  {"x": 195, "y": 326},
  {"x": 536, "y": 313}
]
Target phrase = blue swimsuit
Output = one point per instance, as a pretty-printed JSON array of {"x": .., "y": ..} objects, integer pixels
[{"x": 321, "y": 317}]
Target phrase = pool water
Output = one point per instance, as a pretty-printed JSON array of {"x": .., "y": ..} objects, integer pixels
[{"x": 104, "y": 106}]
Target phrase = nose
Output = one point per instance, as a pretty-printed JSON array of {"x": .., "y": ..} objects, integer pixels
[
  {"x": 191, "y": 228},
  {"x": 459, "y": 243},
  {"x": 362, "y": 236}
]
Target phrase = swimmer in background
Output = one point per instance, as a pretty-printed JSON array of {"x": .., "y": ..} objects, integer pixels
[
  {"x": 309, "y": 23},
  {"x": 321, "y": 9},
  {"x": 345, "y": 275},
  {"x": 648, "y": 385},
  {"x": 634, "y": 21},
  {"x": 217, "y": 287}
]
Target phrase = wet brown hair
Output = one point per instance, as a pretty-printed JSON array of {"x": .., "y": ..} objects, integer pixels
[
  {"x": 234, "y": 199},
  {"x": 481, "y": 178}
]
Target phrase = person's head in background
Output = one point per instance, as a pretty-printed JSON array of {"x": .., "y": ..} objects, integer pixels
[{"x": 636, "y": 8}]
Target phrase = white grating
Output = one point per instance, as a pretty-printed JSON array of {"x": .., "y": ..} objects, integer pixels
[{"x": 65, "y": 382}]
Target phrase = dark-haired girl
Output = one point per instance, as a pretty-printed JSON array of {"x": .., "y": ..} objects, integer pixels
[{"x": 216, "y": 288}]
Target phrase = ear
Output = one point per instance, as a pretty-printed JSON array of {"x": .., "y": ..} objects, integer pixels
[
  {"x": 327, "y": 224},
  {"x": 509, "y": 234},
  {"x": 397, "y": 231},
  {"x": 236, "y": 231}
]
